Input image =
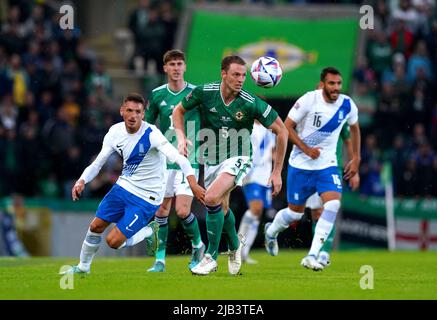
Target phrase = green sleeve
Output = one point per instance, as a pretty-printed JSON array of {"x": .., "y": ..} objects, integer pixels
[
  {"x": 345, "y": 132},
  {"x": 264, "y": 112},
  {"x": 152, "y": 111},
  {"x": 193, "y": 99}
]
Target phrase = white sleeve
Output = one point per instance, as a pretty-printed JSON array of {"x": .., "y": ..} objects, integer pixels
[
  {"x": 353, "y": 116},
  {"x": 172, "y": 154},
  {"x": 94, "y": 168},
  {"x": 299, "y": 109}
]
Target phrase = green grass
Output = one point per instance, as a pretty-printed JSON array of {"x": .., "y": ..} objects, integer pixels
[{"x": 399, "y": 275}]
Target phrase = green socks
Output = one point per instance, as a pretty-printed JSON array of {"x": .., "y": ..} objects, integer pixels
[
  {"x": 191, "y": 227},
  {"x": 162, "y": 236},
  {"x": 230, "y": 232},
  {"x": 214, "y": 227}
]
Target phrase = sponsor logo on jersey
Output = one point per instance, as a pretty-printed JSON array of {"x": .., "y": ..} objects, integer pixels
[
  {"x": 213, "y": 109},
  {"x": 163, "y": 103},
  {"x": 226, "y": 119}
]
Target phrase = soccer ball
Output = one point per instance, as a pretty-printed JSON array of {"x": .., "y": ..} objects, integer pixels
[{"x": 266, "y": 72}]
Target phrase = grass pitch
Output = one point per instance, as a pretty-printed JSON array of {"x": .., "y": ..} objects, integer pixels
[{"x": 398, "y": 275}]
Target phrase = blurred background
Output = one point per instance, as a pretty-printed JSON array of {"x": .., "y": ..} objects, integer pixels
[{"x": 61, "y": 89}]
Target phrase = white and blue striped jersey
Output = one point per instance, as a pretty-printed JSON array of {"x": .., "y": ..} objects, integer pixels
[
  {"x": 263, "y": 142},
  {"x": 144, "y": 162},
  {"x": 318, "y": 125}
]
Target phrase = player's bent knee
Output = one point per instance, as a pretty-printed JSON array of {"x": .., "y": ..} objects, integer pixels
[
  {"x": 332, "y": 205},
  {"x": 162, "y": 212},
  {"x": 110, "y": 242},
  {"x": 211, "y": 200},
  {"x": 296, "y": 208},
  {"x": 96, "y": 227},
  {"x": 113, "y": 242},
  {"x": 183, "y": 212},
  {"x": 256, "y": 207},
  {"x": 257, "y": 212}
]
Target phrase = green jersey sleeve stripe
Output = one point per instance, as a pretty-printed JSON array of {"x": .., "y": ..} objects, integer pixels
[{"x": 266, "y": 113}]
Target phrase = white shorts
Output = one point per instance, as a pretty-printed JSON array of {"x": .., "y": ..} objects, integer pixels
[
  {"x": 236, "y": 166},
  {"x": 177, "y": 183},
  {"x": 314, "y": 202}
]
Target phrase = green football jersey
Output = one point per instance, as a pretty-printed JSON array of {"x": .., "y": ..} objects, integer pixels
[
  {"x": 345, "y": 134},
  {"x": 230, "y": 126},
  {"x": 162, "y": 101}
]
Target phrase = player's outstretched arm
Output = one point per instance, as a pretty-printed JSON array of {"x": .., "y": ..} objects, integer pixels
[
  {"x": 198, "y": 191},
  {"x": 173, "y": 156},
  {"x": 280, "y": 131},
  {"x": 178, "y": 123},
  {"x": 313, "y": 153},
  {"x": 353, "y": 165},
  {"x": 92, "y": 170}
]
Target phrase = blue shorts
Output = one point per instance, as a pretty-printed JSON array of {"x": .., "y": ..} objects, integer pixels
[
  {"x": 301, "y": 184},
  {"x": 254, "y": 191},
  {"x": 131, "y": 213}
]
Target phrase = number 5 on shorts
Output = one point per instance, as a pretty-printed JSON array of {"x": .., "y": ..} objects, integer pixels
[{"x": 238, "y": 163}]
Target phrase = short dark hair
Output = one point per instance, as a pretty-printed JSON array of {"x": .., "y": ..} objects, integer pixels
[
  {"x": 174, "y": 54},
  {"x": 135, "y": 97},
  {"x": 228, "y": 60},
  {"x": 327, "y": 70}
]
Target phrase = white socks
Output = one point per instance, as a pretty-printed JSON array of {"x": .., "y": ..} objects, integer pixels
[
  {"x": 282, "y": 220},
  {"x": 93, "y": 240},
  {"x": 324, "y": 226},
  {"x": 137, "y": 237},
  {"x": 321, "y": 233},
  {"x": 89, "y": 248},
  {"x": 249, "y": 228}
]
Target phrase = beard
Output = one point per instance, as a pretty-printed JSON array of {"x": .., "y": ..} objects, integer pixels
[{"x": 330, "y": 94}]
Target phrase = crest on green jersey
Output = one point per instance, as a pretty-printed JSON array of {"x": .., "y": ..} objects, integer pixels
[{"x": 239, "y": 115}]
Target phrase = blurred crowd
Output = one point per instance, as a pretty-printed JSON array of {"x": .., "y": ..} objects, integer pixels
[
  {"x": 50, "y": 82},
  {"x": 395, "y": 91},
  {"x": 56, "y": 98}
]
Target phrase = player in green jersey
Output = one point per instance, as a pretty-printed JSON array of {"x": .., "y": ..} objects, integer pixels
[
  {"x": 314, "y": 203},
  {"x": 228, "y": 113},
  {"x": 162, "y": 101}
]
